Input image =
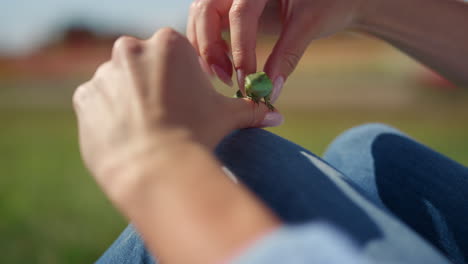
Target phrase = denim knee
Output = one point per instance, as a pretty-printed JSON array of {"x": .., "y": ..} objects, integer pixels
[
  {"x": 356, "y": 140},
  {"x": 351, "y": 153}
]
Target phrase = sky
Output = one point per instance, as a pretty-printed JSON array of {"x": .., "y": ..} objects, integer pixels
[{"x": 26, "y": 24}]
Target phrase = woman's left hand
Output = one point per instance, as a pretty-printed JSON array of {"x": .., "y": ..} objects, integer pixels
[{"x": 151, "y": 95}]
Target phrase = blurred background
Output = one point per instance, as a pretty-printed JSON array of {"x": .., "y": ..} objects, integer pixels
[{"x": 51, "y": 211}]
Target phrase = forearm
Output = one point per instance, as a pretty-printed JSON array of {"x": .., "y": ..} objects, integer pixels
[
  {"x": 433, "y": 31},
  {"x": 189, "y": 211}
]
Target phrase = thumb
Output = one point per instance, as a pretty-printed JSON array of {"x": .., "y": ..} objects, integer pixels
[
  {"x": 246, "y": 113},
  {"x": 286, "y": 54}
]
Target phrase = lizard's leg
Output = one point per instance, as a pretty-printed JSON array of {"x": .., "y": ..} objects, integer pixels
[
  {"x": 239, "y": 94},
  {"x": 268, "y": 103}
]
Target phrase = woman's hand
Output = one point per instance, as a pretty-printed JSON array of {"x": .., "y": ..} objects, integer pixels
[
  {"x": 148, "y": 121},
  {"x": 299, "y": 21},
  {"x": 151, "y": 95}
]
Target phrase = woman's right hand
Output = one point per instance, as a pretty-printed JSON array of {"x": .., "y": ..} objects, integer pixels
[{"x": 298, "y": 21}]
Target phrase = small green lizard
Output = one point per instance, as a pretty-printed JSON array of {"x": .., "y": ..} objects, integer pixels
[{"x": 257, "y": 86}]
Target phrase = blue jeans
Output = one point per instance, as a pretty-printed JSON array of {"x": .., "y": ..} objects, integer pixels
[
  {"x": 373, "y": 193},
  {"x": 424, "y": 189}
]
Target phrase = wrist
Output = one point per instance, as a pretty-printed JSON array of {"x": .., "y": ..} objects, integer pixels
[{"x": 126, "y": 173}]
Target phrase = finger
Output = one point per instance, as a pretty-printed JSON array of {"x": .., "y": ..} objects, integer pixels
[
  {"x": 211, "y": 47},
  {"x": 190, "y": 31},
  {"x": 244, "y": 17},
  {"x": 246, "y": 113},
  {"x": 192, "y": 37},
  {"x": 286, "y": 54},
  {"x": 270, "y": 20}
]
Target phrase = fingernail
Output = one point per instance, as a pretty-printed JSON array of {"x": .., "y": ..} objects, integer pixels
[
  {"x": 222, "y": 75},
  {"x": 272, "y": 119},
  {"x": 205, "y": 67},
  {"x": 277, "y": 86}
]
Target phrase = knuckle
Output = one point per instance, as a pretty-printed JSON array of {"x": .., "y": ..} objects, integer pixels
[
  {"x": 194, "y": 6},
  {"x": 206, "y": 51},
  {"x": 242, "y": 57},
  {"x": 126, "y": 46},
  {"x": 79, "y": 94},
  {"x": 238, "y": 51},
  {"x": 204, "y": 6},
  {"x": 212, "y": 50},
  {"x": 291, "y": 59},
  {"x": 238, "y": 57},
  {"x": 236, "y": 13},
  {"x": 102, "y": 70},
  {"x": 168, "y": 37},
  {"x": 241, "y": 10},
  {"x": 170, "y": 43}
]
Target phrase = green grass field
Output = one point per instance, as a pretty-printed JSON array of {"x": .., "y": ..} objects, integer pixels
[{"x": 51, "y": 210}]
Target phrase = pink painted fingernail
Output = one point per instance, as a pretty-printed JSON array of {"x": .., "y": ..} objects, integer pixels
[
  {"x": 241, "y": 80},
  {"x": 205, "y": 67},
  {"x": 272, "y": 119},
  {"x": 222, "y": 75},
  {"x": 277, "y": 86}
]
